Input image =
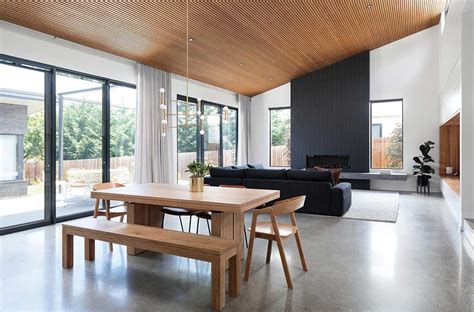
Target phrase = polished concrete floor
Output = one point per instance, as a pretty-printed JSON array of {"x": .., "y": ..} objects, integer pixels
[{"x": 421, "y": 263}]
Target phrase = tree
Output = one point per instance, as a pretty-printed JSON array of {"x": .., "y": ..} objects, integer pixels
[
  {"x": 34, "y": 138},
  {"x": 394, "y": 151}
]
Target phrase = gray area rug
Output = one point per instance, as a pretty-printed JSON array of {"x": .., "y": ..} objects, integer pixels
[{"x": 374, "y": 206}]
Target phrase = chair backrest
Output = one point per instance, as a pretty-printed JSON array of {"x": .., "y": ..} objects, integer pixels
[
  {"x": 288, "y": 205},
  {"x": 106, "y": 185},
  {"x": 232, "y": 186}
]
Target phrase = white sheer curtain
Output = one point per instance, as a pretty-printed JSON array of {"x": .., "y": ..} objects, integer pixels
[
  {"x": 244, "y": 129},
  {"x": 153, "y": 153}
]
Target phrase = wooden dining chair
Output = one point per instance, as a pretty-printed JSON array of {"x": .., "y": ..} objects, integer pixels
[
  {"x": 206, "y": 215},
  {"x": 273, "y": 231},
  {"x": 119, "y": 211}
]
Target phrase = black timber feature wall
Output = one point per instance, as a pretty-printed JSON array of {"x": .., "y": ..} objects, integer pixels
[{"x": 330, "y": 113}]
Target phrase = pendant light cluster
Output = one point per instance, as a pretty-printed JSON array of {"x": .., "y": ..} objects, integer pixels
[{"x": 165, "y": 103}]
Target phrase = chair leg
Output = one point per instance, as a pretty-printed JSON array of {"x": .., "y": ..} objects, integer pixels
[
  {"x": 245, "y": 237},
  {"x": 163, "y": 220},
  {"x": 197, "y": 225},
  {"x": 208, "y": 227},
  {"x": 269, "y": 250},
  {"x": 107, "y": 215},
  {"x": 249, "y": 256},
  {"x": 284, "y": 262},
  {"x": 121, "y": 218},
  {"x": 96, "y": 208},
  {"x": 181, "y": 222},
  {"x": 190, "y": 219},
  {"x": 300, "y": 250}
]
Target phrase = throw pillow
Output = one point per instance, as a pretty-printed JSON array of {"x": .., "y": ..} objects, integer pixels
[{"x": 336, "y": 173}]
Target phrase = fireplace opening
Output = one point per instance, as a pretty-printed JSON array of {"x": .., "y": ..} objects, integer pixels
[{"x": 328, "y": 161}]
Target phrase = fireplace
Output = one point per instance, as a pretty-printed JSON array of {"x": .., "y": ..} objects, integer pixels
[{"x": 328, "y": 161}]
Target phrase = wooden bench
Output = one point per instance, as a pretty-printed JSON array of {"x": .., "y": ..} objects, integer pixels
[{"x": 206, "y": 248}]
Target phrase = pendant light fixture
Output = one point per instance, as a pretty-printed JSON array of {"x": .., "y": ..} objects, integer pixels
[{"x": 166, "y": 102}]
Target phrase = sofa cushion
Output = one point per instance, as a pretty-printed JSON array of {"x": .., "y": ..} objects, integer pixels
[
  {"x": 270, "y": 174},
  {"x": 308, "y": 175},
  {"x": 227, "y": 173},
  {"x": 240, "y": 167},
  {"x": 255, "y": 166}
]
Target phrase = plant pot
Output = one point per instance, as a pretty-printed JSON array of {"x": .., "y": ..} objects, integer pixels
[
  {"x": 196, "y": 184},
  {"x": 423, "y": 180}
]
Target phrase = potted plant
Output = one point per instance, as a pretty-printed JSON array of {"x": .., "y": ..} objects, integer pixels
[
  {"x": 198, "y": 170},
  {"x": 422, "y": 169}
]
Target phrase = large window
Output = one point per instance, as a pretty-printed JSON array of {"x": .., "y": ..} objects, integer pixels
[
  {"x": 123, "y": 109},
  {"x": 218, "y": 144},
  {"x": 387, "y": 134},
  {"x": 22, "y": 145},
  {"x": 79, "y": 147},
  {"x": 280, "y": 137},
  {"x": 47, "y": 172}
]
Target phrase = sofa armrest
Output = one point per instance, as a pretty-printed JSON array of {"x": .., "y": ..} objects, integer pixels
[{"x": 341, "y": 198}]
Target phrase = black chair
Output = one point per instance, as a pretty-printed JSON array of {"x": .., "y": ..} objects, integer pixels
[{"x": 179, "y": 212}]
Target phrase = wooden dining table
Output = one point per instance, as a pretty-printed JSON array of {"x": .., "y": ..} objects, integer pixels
[{"x": 228, "y": 205}]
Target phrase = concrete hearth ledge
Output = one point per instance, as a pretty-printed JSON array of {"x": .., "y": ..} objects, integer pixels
[{"x": 374, "y": 176}]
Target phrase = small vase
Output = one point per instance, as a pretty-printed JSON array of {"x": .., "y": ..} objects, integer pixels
[{"x": 196, "y": 184}]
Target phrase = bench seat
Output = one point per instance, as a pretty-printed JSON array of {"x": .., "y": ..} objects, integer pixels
[{"x": 206, "y": 248}]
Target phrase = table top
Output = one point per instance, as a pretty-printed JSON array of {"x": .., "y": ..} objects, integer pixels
[{"x": 222, "y": 199}]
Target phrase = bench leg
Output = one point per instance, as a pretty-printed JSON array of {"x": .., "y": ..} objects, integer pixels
[
  {"x": 218, "y": 282},
  {"x": 234, "y": 276},
  {"x": 89, "y": 249},
  {"x": 68, "y": 250}
]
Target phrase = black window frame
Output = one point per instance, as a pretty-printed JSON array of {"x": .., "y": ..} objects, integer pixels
[
  {"x": 370, "y": 134},
  {"x": 199, "y": 137},
  {"x": 50, "y": 137},
  {"x": 270, "y": 109}
]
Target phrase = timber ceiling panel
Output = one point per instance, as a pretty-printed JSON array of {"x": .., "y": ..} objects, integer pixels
[{"x": 244, "y": 46}]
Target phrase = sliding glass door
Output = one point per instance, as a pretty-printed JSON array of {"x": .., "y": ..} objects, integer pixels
[
  {"x": 61, "y": 132},
  {"x": 79, "y": 148},
  {"x": 22, "y": 146},
  {"x": 218, "y": 142},
  {"x": 188, "y": 136},
  {"x": 212, "y": 138},
  {"x": 123, "y": 111}
]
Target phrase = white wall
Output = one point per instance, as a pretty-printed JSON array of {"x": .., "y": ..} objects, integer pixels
[
  {"x": 202, "y": 90},
  {"x": 35, "y": 46},
  {"x": 450, "y": 71},
  {"x": 407, "y": 69},
  {"x": 259, "y": 146},
  {"x": 467, "y": 112},
  {"x": 450, "y": 62}
]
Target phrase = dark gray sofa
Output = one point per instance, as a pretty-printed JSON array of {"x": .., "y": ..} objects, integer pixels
[{"x": 322, "y": 197}]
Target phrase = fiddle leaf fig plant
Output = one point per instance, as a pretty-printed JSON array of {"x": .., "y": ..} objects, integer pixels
[
  {"x": 421, "y": 168},
  {"x": 198, "y": 169}
]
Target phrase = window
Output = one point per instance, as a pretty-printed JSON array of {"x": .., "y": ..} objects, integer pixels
[
  {"x": 218, "y": 145},
  {"x": 280, "y": 137},
  {"x": 22, "y": 145},
  {"x": 123, "y": 110},
  {"x": 387, "y": 134},
  {"x": 229, "y": 137},
  {"x": 46, "y": 176},
  {"x": 188, "y": 137},
  {"x": 9, "y": 157},
  {"x": 79, "y": 146}
]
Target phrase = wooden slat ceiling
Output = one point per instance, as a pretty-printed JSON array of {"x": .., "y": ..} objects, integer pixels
[{"x": 244, "y": 46}]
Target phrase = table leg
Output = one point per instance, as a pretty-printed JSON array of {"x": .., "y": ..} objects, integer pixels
[
  {"x": 143, "y": 214},
  {"x": 228, "y": 225}
]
